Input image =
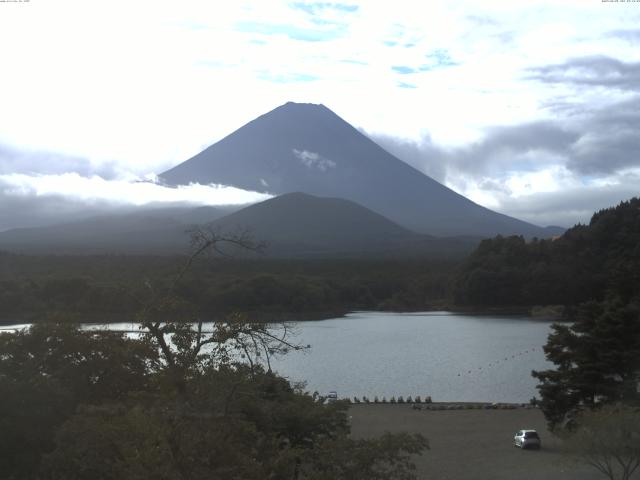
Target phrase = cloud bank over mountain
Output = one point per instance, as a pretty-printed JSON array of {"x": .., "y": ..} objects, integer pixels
[
  {"x": 501, "y": 101},
  {"x": 71, "y": 188},
  {"x": 559, "y": 169}
]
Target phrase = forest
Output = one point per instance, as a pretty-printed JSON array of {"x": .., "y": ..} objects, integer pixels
[
  {"x": 585, "y": 263},
  {"x": 588, "y": 262},
  {"x": 110, "y": 288},
  {"x": 593, "y": 271}
]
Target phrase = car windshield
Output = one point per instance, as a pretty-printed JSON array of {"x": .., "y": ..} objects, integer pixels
[{"x": 530, "y": 435}]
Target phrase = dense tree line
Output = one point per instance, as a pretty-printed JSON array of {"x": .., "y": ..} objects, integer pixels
[
  {"x": 96, "y": 288},
  {"x": 586, "y": 263},
  {"x": 597, "y": 361},
  {"x": 594, "y": 272}
]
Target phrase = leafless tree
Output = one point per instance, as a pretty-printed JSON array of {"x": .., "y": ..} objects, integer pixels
[{"x": 175, "y": 327}]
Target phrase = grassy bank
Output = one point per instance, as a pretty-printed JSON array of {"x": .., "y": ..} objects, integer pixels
[{"x": 472, "y": 444}]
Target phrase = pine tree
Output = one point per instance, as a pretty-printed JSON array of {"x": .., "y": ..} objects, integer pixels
[{"x": 597, "y": 360}]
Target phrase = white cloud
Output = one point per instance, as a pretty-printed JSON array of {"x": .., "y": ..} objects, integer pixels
[
  {"x": 177, "y": 77},
  {"x": 137, "y": 192},
  {"x": 552, "y": 195},
  {"x": 145, "y": 90},
  {"x": 314, "y": 160},
  {"x": 573, "y": 201}
]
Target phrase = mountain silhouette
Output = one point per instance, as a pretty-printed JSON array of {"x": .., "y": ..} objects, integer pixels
[
  {"x": 302, "y": 225},
  {"x": 294, "y": 225},
  {"x": 308, "y": 148}
]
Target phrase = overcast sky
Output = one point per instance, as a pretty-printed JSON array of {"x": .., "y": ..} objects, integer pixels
[{"x": 529, "y": 108}]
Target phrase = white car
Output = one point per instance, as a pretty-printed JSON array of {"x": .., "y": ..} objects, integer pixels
[{"x": 527, "y": 439}]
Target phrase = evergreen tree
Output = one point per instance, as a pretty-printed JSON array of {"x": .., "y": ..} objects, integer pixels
[
  {"x": 597, "y": 361},
  {"x": 587, "y": 263}
]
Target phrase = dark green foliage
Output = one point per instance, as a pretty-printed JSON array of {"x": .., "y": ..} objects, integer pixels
[
  {"x": 86, "y": 405},
  {"x": 594, "y": 271},
  {"x": 581, "y": 265},
  {"x": 32, "y": 410},
  {"x": 112, "y": 288},
  {"x": 46, "y": 372},
  {"x": 510, "y": 271},
  {"x": 92, "y": 366},
  {"x": 597, "y": 361},
  {"x": 111, "y": 442},
  {"x": 388, "y": 457},
  {"x": 249, "y": 439},
  {"x": 597, "y": 357}
]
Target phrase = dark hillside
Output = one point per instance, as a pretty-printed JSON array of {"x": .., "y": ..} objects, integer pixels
[
  {"x": 294, "y": 225},
  {"x": 299, "y": 225},
  {"x": 109, "y": 287},
  {"x": 588, "y": 262}
]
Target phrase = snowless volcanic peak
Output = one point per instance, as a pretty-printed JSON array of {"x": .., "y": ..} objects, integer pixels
[{"x": 303, "y": 147}]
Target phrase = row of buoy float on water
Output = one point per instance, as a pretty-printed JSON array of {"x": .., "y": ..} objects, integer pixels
[{"x": 506, "y": 359}]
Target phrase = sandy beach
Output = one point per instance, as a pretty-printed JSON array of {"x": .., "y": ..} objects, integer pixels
[{"x": 472, "y": 444}]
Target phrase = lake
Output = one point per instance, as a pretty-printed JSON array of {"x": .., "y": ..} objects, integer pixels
[{"x": 450, "y": 357}]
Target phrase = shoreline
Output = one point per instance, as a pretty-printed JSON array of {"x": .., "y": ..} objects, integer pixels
[
  {"x": 449, "y": 405},
  {"x": 543, "y": 313}
]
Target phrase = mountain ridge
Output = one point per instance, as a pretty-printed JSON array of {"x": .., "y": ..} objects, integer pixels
[
  {"x": 308, "y": 148},
  {"x": 295, "y": 225},
  {"x": 299, "y": 225}
]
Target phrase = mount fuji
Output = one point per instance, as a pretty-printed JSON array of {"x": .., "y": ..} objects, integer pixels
[{"x": 307, "y": 148}]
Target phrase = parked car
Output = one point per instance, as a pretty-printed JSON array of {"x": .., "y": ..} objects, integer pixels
[
  {"x": 527, "y": 439},
  {"x": 332, "y": 397}
]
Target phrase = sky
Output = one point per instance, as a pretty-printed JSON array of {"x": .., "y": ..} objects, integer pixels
[{"x": 530, "y": 108}]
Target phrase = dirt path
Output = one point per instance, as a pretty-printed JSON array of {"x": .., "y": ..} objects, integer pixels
[{"x": 472, "y": 444}]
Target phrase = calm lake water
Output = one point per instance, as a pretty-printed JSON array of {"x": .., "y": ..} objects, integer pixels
[{"x": 450, "y": 357}]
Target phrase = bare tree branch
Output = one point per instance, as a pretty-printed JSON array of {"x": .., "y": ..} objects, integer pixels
[{"x": 179, "y": 334}]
